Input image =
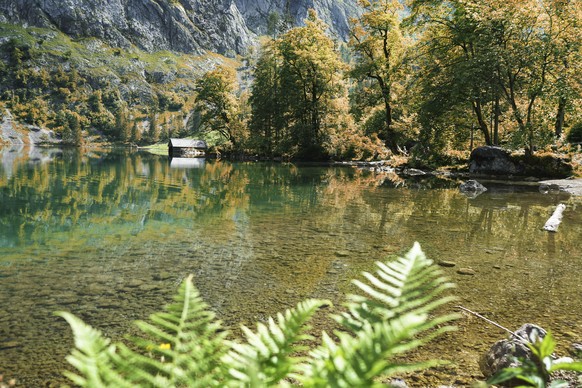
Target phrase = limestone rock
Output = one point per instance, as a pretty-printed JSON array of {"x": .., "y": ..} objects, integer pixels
[
  {"x": 466, "y": 271},
  {"x": 189, "y": 26},
  {"x": 472, "y": 188},
  {"x": 336, "y": 14},
  {"x": 493, "y": 160},
  {"x": 503, "y": 353}
]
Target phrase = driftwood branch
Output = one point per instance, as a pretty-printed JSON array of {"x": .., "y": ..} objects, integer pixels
[
  {"x": 554, "y": 221},
  {"x": 518, "y": 337}
]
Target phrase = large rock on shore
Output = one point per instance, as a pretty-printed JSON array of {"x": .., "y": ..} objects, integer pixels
[
  {"x": 493, "y": 160},
  {"x": 504, "y": 353}
]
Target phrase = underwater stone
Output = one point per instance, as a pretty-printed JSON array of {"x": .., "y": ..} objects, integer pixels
[
  {"x": 466, "y": 271},
  {"x": 472, "y": 188}
]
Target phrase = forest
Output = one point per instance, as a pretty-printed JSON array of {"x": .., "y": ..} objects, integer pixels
[{"x": 426, "y": 79}]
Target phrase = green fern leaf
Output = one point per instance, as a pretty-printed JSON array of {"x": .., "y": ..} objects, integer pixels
[
  {"x": 357, "y": 361},
  {"x": 267, "y": 358},
  {"x": 391, "y": 318},
  {"x": 407, "y": 285},
  {"x": 184, "y": 345},
  {"x": 93, "y": 357}
]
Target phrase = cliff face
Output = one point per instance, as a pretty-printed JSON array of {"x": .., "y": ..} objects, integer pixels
[
  {"x": 336, "y": 13},
  {"x": 191, "y": 26}
]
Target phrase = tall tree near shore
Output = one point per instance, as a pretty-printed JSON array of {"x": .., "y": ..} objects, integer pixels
[
  {"x": 377, "y": 41},
  {"x": 457, "y": 70},
  {"x": 311, "y": 77},
  {"x": 268, "y": 124},
  {"x": 218, "y": 105},
  {"x": 501, "y": 55}
]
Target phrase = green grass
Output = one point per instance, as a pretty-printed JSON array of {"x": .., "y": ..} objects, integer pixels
[{"x": 96, "y": 58}]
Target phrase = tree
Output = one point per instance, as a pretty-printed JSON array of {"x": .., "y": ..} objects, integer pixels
[
  {"x": 267, "y": 123},
  {"x": 135, "y": 132},
  {"x": 457, "y": 68},
  {"x": 310, "y": 77},
  {"x": 218, "y": 105},
  {"x": 377, "y": 41},
  {"x": 154, "y": 132},
  {"x": 101, "y": 118},
  {"x": 497, "y": 52},
  {"x": 122, "y": 122},
  {"x": 70, "y": 123}
]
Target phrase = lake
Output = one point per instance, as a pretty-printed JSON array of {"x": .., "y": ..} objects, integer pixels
[{"x": 109, "y": 236}]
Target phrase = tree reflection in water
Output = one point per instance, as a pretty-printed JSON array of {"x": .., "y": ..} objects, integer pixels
[{"x": 109, "y": 235}]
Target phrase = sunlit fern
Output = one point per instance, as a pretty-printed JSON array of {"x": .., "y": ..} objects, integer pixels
[{"x": 186, "y": 345}]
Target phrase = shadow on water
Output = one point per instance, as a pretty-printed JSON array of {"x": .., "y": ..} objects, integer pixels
[{"x": 109, "y": 236}]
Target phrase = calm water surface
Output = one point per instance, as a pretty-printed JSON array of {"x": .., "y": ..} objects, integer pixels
[{"x": 109, "y": 236}]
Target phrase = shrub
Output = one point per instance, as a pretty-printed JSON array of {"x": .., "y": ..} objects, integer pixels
[
  {"x": 575, "y": 133},
  {"x": 186, "y": 346}
]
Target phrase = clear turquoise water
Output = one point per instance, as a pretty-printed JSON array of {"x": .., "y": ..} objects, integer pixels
[{"x": 109, "y": 236}]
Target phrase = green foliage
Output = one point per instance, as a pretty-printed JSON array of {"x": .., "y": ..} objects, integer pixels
[
  {"x": 537, "y": 371},
  {"x": 268, "y": 355},
  {"x": 377, "y": 41},
  {"x": 219, "y": 107},
  {"x": 575, "y": 133},
  {"x": 299, "y": 101},
  {"x": 93, "y": 356},
  {"x": 186, "y": 346}
]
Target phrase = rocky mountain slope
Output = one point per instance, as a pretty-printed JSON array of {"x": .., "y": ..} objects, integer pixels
[
  {"x": 226, "y": 27},
  {"x": 336, "y": 13},
  {"x": 190, "y": 26}
]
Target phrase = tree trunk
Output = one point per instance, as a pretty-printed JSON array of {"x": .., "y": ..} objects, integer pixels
[
  {"x": 560, "y": 116},
  {"x": 497, "y": 113},
  {"x": 482, "y": 124}
]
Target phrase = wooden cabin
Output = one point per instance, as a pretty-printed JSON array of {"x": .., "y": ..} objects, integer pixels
[{"x": 187, "y": 147}]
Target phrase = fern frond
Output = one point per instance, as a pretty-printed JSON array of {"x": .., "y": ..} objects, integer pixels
[
  {"x": 185, "y": 345},
  {"x": 358, "y": 360},
  {"x": 392, "y": 317},
  {"x": 93, "y": 357},
  {"x": 267, "y": 358},
  {"x": 407, "y": 285}
]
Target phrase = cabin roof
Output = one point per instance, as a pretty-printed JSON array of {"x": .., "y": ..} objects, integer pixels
[{"x": 188, "y": 143}]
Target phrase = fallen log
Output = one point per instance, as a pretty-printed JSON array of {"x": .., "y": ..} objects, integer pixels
[{"x": 554, "y": 221}]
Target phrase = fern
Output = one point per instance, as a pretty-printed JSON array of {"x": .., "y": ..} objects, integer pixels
[
  {"x": 188, "y": 341},
  {"x": 186, "y": 346},
  {"x": 267, "y": 357},
  {"x": 93, "y": 357},
  {"x": 407, "y": 285},
  {"x": 357, "y": 361},
  {"x": 392, "y": 319}
]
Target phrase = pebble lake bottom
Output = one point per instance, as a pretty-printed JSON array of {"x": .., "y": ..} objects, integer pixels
[{"x": 110, "y": 236}]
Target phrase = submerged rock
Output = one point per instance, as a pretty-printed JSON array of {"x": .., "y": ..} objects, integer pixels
[
  {"x": 550, "y": 188},
  {"x": 472, "y": 188},
  {"x": 413, "y": 172},
  {"x": 466, "y": 271}
]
